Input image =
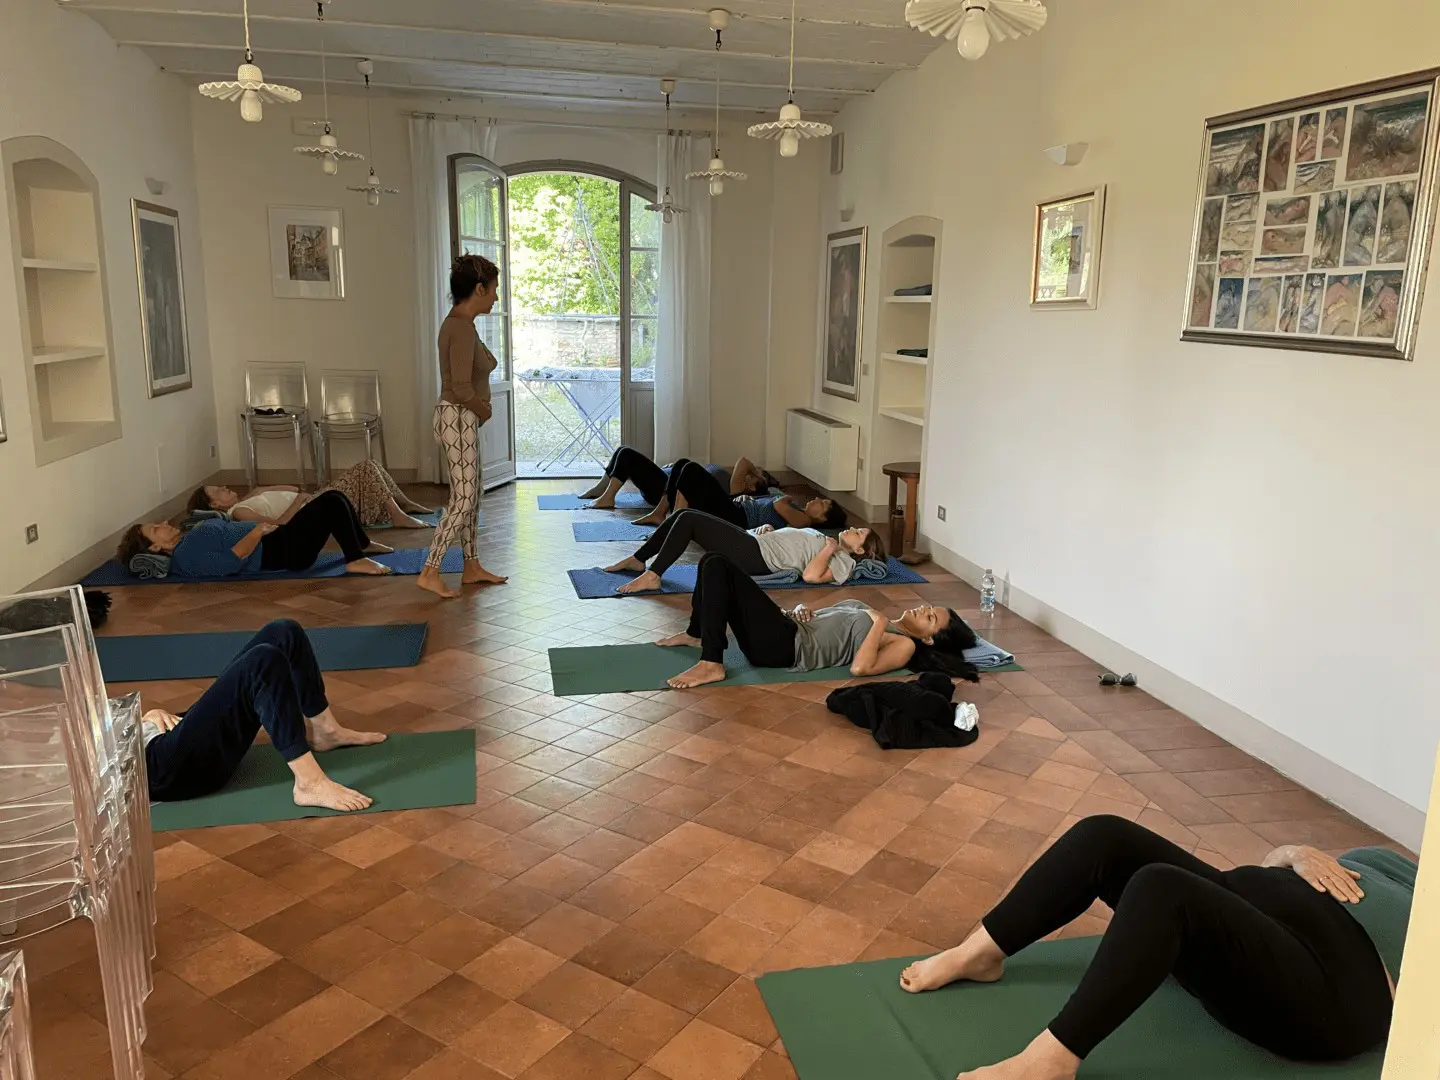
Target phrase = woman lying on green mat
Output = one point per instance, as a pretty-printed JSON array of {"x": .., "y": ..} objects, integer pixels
[
  {"x": 274, "y": 684},
  {"x": 819, "y": 559},
  {"x": 726, "y": 598},
  {"x": 377, "y": 499},
  {"x": 1291, "y": 955}
]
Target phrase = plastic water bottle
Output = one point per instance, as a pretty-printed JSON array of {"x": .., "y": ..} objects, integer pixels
[{"x": 987, "y": 593}]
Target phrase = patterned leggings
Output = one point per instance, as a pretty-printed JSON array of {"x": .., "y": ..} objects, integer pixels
[
  {"x": 369, "y": 489},
  {"x": 458, "y": 431}
]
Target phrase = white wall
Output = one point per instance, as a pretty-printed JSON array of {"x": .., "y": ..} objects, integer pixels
[
  {"x": 62, "y": 77},
  {"x": 1262, "y": 524}
]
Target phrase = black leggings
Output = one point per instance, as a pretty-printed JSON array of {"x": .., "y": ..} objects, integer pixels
[
  {"x": 296, "y": 544},
  {"x": 629, "y": 464},
  {"x": 678, "y": 531},
  {"x": 1268, "y": 956},
  {"x": 703, "y": 492},
  {"x": 274, "y": 683},
  {"x": 727, "y": 597}
]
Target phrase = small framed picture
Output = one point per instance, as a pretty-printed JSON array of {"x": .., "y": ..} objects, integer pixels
[
  {"x": 160, "y": 271},
  {"x": 1068, "y": 232},
  {"x": 844, "y": 307},
  {"x": 307, "y": 253}
]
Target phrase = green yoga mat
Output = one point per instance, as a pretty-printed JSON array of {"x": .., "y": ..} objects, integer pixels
[
  {"x": 855, "y": 1023},
  {"x": 618, "y": 669},
  {"x": 405, "y": 772}
]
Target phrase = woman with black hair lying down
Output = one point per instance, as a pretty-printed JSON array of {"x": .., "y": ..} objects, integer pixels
[
  {"x": 275, "y": 684},
  {"x": 727, "y": 599},
  {"x": 818, "y": 559},
  {"x": 1287, "y": 954},
  {"x": 657, "y": 484}
]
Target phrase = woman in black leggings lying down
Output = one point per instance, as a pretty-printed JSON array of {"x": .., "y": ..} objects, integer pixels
[
  {"x": 696, "y": 487},
  {"x": 656, "y": 483},
  {"x": 727, "y": 599},
  {"x": 1273, "y": 952}
]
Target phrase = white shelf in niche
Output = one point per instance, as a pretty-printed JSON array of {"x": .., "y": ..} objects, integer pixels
[
  {"x": 58, "y": 354},
  {"x": 909, "y": 414},
  {"x": 908, "y": 299},
  {"x": 901, "y": 358},
  {"x": 60, "y": 264}
]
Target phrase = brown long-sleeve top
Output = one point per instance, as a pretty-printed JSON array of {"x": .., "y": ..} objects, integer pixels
[{"x": 465, "y": 366}]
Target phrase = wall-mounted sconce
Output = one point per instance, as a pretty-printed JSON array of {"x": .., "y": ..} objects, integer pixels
[
  {"x": 1069, "y": 154},
  {"x": 847, "y": 213},
  {"x": 157, "y": 187}
]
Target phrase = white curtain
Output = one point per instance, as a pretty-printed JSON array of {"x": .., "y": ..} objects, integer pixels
[
  {"x": 432, "y": 141},
  {"x": 682, "y": 362}
]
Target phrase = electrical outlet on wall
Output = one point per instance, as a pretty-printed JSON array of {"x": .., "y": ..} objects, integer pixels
[
  {"x": 940, "y": 512},
  {"x": 32, "y": 533},
  {"x": 212, "y": 449}
]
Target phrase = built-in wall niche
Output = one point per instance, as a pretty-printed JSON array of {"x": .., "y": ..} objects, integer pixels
[
  {"x": 909, "y": 260},
  {"x": 58, "y": 246}
]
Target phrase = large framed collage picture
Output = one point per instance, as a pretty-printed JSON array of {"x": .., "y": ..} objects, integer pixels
[{"x": 1313, "y": 222}]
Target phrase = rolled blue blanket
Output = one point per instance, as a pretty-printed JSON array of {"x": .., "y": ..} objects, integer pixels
[
  {"x": 986, "y": 656},
  {"x": 149, "y": 565}
]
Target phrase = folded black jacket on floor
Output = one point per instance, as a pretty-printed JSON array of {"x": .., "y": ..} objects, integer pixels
[{"x": 904, "y": 715}]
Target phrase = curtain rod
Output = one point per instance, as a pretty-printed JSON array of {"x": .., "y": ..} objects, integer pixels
[{"x": 427, "y": 114}]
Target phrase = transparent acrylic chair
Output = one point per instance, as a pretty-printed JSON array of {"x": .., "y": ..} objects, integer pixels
[
  {"x": 17, "y": 1061},
  {"x": 74, "y": 810},
  {"x": 277, "y": 406},
  {"x": 349, "y": 409}
]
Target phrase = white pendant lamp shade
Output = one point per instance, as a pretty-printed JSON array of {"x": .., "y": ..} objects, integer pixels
[
  {"x": 791, "y": 127},
  {"x": 249, "y": 86},
  {"x": 716, "y": 173},
  {"x": 372, "y": 187},
  {"x": 328, "y": 150},
  {"x": 973, "y": 24}
]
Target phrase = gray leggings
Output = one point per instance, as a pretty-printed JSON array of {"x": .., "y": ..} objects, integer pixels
[{"x": 678, "y": 531}]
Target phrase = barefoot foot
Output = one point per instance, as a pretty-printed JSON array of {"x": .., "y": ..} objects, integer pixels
[
  {"x": 604, "y": 502},
  {"x": 332, "y": 736},
  {"x": 655, "y": 517},
  {"x": 368, "y": 566},
  {"x": 979, "y": 959},
  {"x": 646, "y": 582},
  {"x": 374, "y": 548},
  {"x": 678, "y": 639},
  {"x": 1044, "y": 1059},
  {"x": 701, "y": 674},
  {"x": 475, "y": 574},
  {"x": 431, "y": 581},
  {"x": 593, "y": 492},
  {"x": 623, "y": 565},
  {"x": 327, "y": 793},
  {"x": 405, "y": 521}
]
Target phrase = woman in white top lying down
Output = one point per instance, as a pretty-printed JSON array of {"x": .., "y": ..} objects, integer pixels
[
  {"x": 817, "y": 558},
  {"x": 376, "y": 497}
]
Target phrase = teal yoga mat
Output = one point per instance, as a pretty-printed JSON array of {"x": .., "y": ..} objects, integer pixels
[
  {"x": 617, "y": 669},
  {"x": 146, "y": 657},
  {"x": 405, "y": 772}
]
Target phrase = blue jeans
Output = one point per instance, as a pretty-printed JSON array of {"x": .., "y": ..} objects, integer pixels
[{"x": 274, "y": 683}]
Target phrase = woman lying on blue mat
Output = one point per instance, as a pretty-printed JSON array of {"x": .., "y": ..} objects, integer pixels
[
  {"x": 217, "y": 548},
  {"x": 819, "y": 559},
  {"x": 1291, "y": 955},
  {"x": 274, "y": 684},
  {"x": 376, "y": 497},
  {"x": 695, "y": 487},
  {"x": 727, "y": 599},
  {"x": 656, "y": 483}
]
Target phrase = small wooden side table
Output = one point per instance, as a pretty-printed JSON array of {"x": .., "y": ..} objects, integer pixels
[{"x": 903, "y": 522}]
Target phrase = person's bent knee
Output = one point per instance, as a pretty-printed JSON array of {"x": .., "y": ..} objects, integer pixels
[
  {"x": 1157, "y": 888},
  {"x": 713, "y": 564},
  {"x": 265, "y": 658},
  {"x": 287, "y": 630},
  {"x": 1101, "y": 832}
]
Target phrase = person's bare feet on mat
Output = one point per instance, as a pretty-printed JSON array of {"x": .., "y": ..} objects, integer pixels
[
  {"x": 1044, "y": 1059},
  {"x": 979, "y": 959},
  {"x": 700, "y": 675},
  {"x": 678, "y": 639},
  {"x": 649, "y": 581},
  {"x": 368, "y": 566},
  {"x": 374, "y": 548},
  {"x": 623, "y": 565},
  {"x": 324, "y": 732},
  {"x": 332, "y": 796}
]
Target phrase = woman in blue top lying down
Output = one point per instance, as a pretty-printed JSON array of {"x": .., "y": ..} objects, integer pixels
[
  {"x": 849, "y": 634},
  {"x": 817, "y": 558},
  {"x": 219, "y": 548}
]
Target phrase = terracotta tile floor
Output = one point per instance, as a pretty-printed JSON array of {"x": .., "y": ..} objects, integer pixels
[{"x": 633, "y": 860}]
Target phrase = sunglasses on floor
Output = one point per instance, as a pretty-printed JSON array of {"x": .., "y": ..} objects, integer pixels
[{"x": 1111, "y": 679}]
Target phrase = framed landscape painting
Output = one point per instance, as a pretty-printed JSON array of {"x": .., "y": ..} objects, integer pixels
[
  {"x": 1313, "y": 221},
  {"x": 158, "y": 267},
  {"x": 307, "y": 253},
  {"x": 844, "y": 300}
]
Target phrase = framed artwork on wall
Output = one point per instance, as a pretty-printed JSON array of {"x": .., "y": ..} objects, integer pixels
[
  {"x": 1066, "y": 268},
  {"x": 844, "y": 306},
  {"x": 159, "y": 270},
  {"x": 307, "y": 253},
  {"x": 1313, "y": 221}
]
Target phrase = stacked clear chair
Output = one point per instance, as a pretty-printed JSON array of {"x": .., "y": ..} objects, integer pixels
[
  {"x": 349, "y": 409},
  {"x": 277, "y": 406},
  {"x": 17, "y": 1061},
  {"x": 75, "y": 836}
]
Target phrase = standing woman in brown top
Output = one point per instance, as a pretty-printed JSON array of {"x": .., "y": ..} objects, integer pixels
[{"x": 465, "y": 367}]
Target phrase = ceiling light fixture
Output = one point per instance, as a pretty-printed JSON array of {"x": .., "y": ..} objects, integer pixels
[
  {"x": 328, "y": 151},
  {"x": 371, "y": 188},
  {"x": 249, "y": 85},
  {"x": 666, "y": 207},
  {"x": 973, "y": 24},
  {"x": 791, "y": 127},
  {"x": 715, "y": 172}
]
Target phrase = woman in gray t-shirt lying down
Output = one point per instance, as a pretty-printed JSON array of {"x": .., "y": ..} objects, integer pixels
[
  {"x": 849, "y": 634},
  {"x": 819, "y": 559}
]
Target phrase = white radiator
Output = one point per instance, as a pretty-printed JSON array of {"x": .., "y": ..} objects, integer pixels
[{"x": 822, "y": 449}]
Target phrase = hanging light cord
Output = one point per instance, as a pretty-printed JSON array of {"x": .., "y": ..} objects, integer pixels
[
  {"x": 249, "y": 56},
  {"x": 717, "y": 104},
  {"x": 324, "y": 80},
  {"x": 792, "y": 52}
]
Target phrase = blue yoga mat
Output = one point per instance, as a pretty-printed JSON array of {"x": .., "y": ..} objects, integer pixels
[
  {"x": 626, "y": 500},
  {"x": 405, "y": 561},
  {"x": 146, "y": 657},
  {"x": 587, "y": 532},
  {"x": 596, "y": 584}
]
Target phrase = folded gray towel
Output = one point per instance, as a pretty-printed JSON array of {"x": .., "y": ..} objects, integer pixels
[
  {"x": 985, "y": 655},
  {"x": 149, "y": 565},
  {"x": 916, "y": 290}
]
